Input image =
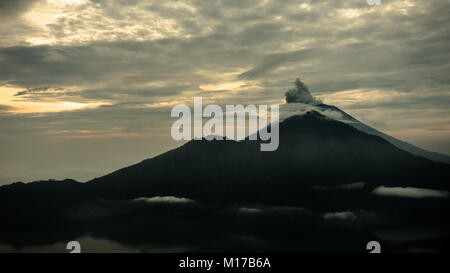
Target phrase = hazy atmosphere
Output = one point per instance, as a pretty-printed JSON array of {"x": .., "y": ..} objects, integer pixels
[{"x": 86, "y": 87}]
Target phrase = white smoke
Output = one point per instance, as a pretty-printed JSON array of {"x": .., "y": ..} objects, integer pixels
[{"x": 300, "y": 94}]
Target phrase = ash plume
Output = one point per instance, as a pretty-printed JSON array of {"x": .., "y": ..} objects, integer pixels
[{"x": 300, "y": 94}]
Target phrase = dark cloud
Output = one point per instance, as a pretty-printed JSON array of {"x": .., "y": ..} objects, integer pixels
[
  {"x": 116, "y": 93},
  {"x": 39, "y": 90},
  {"x": 11, "y": 8},
  {"x": 374, "y": 52},
  {"x": 13, "y": 27},
  {"x": 4, "y": 107}
]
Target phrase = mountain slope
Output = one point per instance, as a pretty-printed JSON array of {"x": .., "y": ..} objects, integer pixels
[
  {"x": 336, "y": 113},
  {"x": 314, "y": 150}
]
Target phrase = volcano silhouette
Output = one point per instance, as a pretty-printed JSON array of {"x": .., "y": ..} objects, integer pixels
[{"x": 314, "y": 151}]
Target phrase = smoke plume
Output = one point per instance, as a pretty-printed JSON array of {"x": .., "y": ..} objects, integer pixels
[{"x": 300, "y": 94}]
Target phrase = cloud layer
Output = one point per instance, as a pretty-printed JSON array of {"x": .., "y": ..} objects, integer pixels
[
  {"x": 164, "y": 199},
  {"x": 409, "y": 192}
]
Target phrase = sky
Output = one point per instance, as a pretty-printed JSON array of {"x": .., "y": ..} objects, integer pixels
[{"x": 86, "y": 86}]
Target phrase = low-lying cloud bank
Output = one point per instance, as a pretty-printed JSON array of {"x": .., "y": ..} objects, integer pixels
[
  {"x": 363, "y": 215},
  {"x": 246, "y": 210},
  {"x": 164, "y": 199},
  {"x": 409, "y": 192},
  {"x": 351, "y": 186},
  {"x": 341, "y": 215}
]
